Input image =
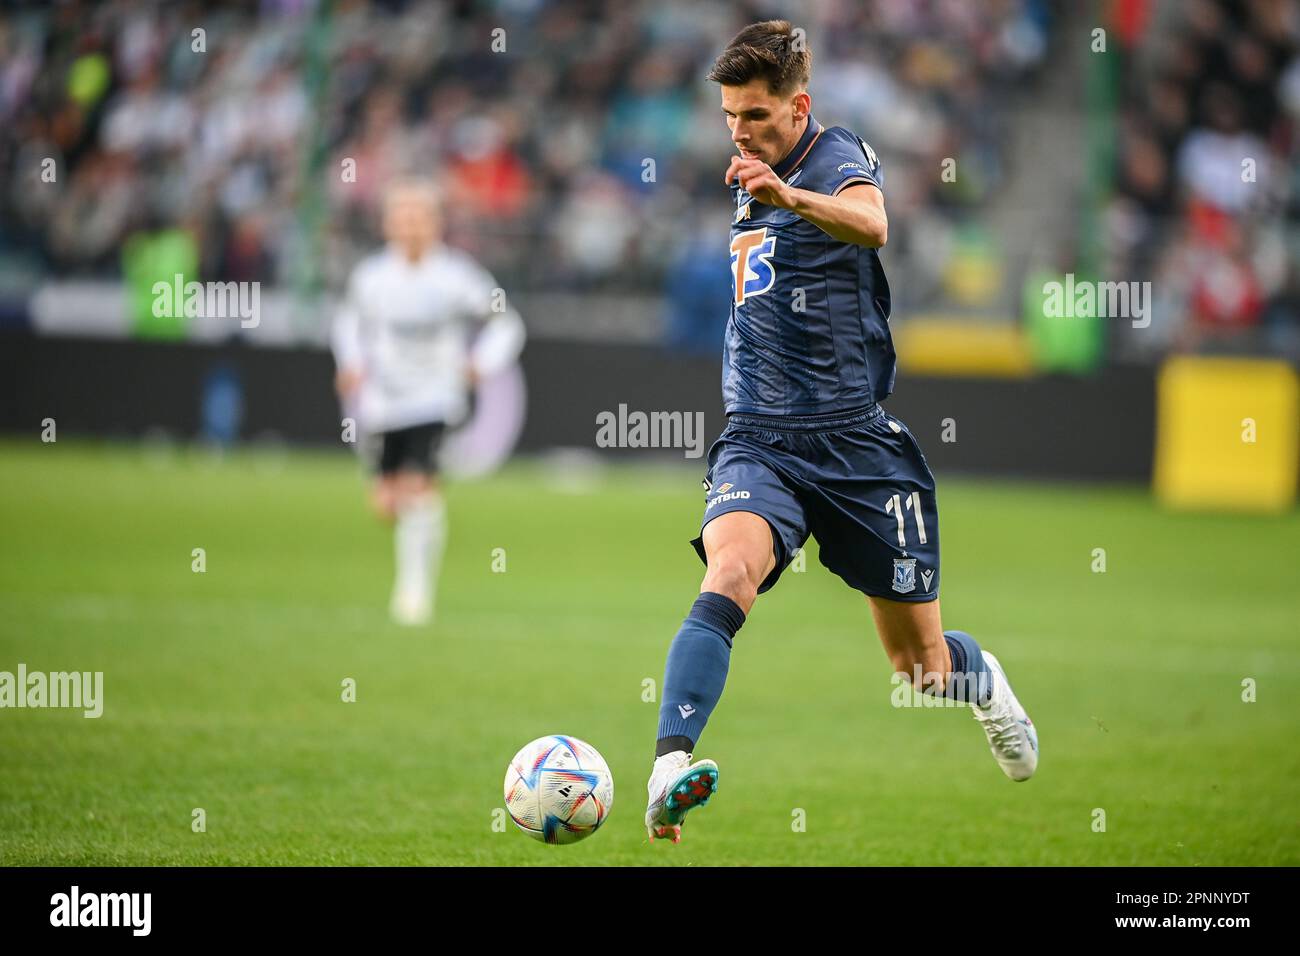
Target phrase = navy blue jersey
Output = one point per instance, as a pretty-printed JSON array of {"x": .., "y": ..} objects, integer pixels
[{"x": 809, "y": 326}]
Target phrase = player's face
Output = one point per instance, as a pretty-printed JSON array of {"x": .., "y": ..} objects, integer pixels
[
  {"x": 763, "y": 126},
  {"x": 411, "y": 221}
]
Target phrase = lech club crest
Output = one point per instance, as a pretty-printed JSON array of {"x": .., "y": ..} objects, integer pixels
[{"x": 904, "y": 575}]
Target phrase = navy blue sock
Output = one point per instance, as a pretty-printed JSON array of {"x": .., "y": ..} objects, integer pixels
[
  {"x": 696, "y": 671},
  {"x": 970, "y": 675}
]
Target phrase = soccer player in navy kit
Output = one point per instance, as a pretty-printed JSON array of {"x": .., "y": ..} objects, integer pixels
[{"x": 807, "y": 448}]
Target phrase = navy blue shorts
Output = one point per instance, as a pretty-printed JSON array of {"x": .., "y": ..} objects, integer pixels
[{"x": 859, "y": 484}]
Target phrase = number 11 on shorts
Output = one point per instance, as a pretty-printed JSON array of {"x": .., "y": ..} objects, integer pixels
[{"x": 894, "y": 506}]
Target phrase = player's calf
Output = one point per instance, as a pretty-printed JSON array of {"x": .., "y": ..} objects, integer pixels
[
  {"x": 418, "y": 542},
  {"x": 740, "y": 554},
  {"x": 694, "y": 676}
]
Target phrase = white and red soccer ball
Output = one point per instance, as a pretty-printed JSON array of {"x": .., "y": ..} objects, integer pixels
[{"x": 559, "y": 789}]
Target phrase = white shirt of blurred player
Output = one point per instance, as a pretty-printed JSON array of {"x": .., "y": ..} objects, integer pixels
[{"x": 411, "y": 328}]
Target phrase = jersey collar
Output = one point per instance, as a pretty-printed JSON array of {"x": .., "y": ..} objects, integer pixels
[{"x": 796, "y": 155}]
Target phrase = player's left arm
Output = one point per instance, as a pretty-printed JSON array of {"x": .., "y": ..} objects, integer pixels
[
  {"x": 856, "y": 214},
  {"x": 500, "y": 335},
  {"x": 498, "y": 344}
]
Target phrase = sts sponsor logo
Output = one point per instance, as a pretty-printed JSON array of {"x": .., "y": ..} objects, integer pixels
[{"x": 751, "y": 267}]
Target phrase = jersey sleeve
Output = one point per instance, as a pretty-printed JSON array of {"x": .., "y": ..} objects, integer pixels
[
  {"x": 847, "y": 160},
  {"x": 498, "y": 328}
]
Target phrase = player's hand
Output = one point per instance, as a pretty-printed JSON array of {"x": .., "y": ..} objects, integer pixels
[
  {"x": 347, "y": 381},
  {"x": 757, "y": 179},
  {"x": 472, "y": 376}
]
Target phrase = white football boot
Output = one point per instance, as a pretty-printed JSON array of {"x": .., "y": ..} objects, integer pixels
[
  {"x": 676, "y": 786},
  {"x": 411, "y": 608},
  {"x": 1012, "y": 735}
]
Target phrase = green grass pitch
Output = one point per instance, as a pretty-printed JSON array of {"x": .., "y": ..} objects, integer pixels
[{"x": 223, "y": 689}]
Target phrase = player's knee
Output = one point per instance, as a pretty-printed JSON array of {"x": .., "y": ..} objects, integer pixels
[
  {"x": 926, "y": 672},
  {"x": 383, "y": 501},
  {"x": 410, "y": 488},
  {"x": 730, "y": 574}
]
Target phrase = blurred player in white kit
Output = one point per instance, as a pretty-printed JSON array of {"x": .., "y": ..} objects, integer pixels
[{"x": 420, "y": 323}]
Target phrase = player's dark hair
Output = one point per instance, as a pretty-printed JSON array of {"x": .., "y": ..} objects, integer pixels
[{"x": 770, "y": 50}]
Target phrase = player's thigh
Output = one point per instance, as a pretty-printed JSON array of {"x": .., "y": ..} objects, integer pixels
[
  {"x": 418, "y": 452},
  {"x": 740, "y": 552},
  {"x": 912, "y": 635},
  {"x": 384, "y": 496},
  {"x": 412, "y": 461},
  {"x": 753, "y": 522},
  {"x": 413, "y": 483},
  {"x": 873, "y": 510}
]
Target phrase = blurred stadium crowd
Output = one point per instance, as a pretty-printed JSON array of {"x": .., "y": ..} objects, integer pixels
[
  {"x": 1207, "y": 198},
  {"x": 542, "y": 147},
  {"x": 233, "y": 150}
]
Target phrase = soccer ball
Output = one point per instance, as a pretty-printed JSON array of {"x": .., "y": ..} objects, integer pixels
[{"x": 559, "y": 789}]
